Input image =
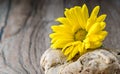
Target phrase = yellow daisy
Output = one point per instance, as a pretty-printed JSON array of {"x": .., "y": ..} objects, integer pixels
[{"x": 78, "y": 32}]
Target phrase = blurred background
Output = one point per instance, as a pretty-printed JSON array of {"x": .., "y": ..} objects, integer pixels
[{"x": 25, "y": 27}]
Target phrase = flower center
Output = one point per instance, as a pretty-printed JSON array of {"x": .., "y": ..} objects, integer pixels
[{"x": 80, "y": 35}]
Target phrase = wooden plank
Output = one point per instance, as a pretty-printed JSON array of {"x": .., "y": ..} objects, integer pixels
[{"x": 25, "y": 27}]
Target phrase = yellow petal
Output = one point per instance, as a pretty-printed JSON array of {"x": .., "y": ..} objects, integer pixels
[
  {"x": 61, "y": 35},
  {"x": 64, "y": 21},
  {"x": 87, "y": 43},
  {"x": 98, "y": 37},
  {"x": 94, "y": 45},
  {"x": 102, "y": 35},
  {"x": 93, "y": 17},
  {"x": 68, "y": 50},
  {"x": 60, "y": 43},
  {"x": 80, "y": 17},
  {"x": 82, "y": 49},
  {"x": 56, "y": 28},
  {"x": 60, "y": 28},
  {"x": 72, "y": 54},
  {"x": 69, "y": 57},
  {"x": 97, "y": 27},
  {"x": 54, "y": 40},
  {"x": 75, "y": 51},
  {"x": 102, "y": 25},
  {"x": 90, "y": 23},
  {"x": 70, "y": 44},
  {"x": 95, "y": 12},
  {"x": 66, "y": 46},
  {"x": 85, "y": 12},
  {"x": 71, "y": 16},
  {"x": 101, "y": 18}
]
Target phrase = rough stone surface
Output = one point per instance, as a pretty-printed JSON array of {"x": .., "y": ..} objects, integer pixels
[{"x": 100, "y": 61}]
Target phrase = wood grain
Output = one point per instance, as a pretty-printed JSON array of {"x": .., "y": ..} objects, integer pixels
[{"x": 25, "y": 27}]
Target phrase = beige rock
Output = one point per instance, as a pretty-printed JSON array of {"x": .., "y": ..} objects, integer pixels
[
  {"x": 96, "y": 62},
  {"x": 51, "y": 58}
]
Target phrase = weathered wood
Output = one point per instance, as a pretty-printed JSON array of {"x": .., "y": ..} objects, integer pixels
[
  {"x": 24, "y": 31},
  {"x": 25, "y": 27}
]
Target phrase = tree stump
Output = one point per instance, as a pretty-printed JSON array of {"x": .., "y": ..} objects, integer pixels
[{"x": 25, "y": 27}]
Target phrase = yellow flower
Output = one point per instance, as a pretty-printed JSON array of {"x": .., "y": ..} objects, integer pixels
[{"x": 78, "y": 32}]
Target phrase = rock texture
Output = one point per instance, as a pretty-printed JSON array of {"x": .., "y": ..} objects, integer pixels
[{"x": 100, "y": 61}]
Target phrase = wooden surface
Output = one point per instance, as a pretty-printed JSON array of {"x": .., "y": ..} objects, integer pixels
[{"x": 25, "y": 27}]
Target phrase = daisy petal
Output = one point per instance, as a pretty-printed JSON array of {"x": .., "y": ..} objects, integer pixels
[
  {"x": 97, "y": 27},
  {"x": 61, "y": 43},
  {"x": 75, "y": 51},
  {"x": 101, "y": 18},
  {"x": 85, "y": 12},
  {"x": 68, "y": 50},
  {"x": 95, "y": 12}
]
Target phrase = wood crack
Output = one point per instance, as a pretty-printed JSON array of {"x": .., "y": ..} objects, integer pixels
[
  {"x": 5, "y": 62},
  {"x": 6, "y": 19}
]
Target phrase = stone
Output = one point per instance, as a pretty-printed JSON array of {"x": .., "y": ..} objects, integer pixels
[{"x": 99, "y": 61}]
